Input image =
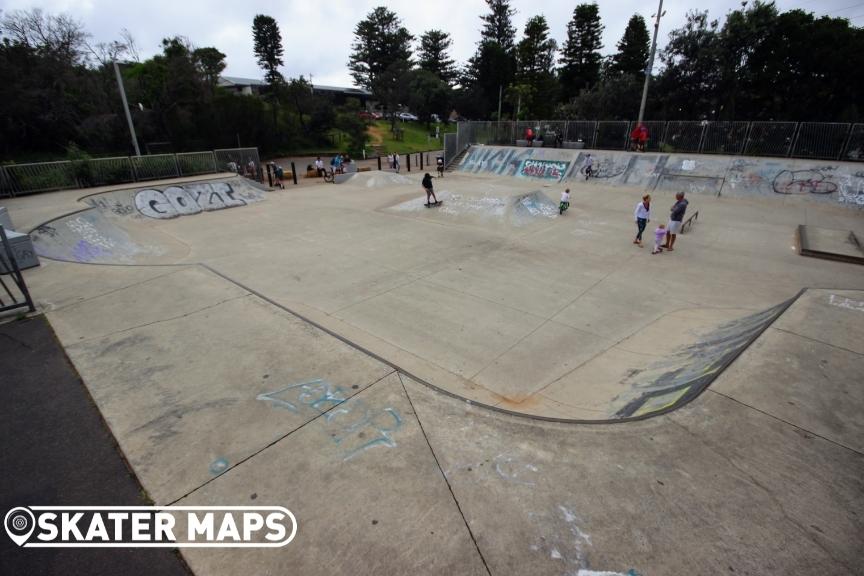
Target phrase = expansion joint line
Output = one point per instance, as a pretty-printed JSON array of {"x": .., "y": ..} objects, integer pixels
[
  {"x": 279, "y": 439},
  {"x": 788, "y": 423},
  {"x": 443, "y": 475}
]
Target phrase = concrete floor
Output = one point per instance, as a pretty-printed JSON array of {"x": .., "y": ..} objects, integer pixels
[{"x": 217, "y": 394}]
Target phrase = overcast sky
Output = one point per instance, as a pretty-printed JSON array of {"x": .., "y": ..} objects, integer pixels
[{"x": 317, "y": 35}]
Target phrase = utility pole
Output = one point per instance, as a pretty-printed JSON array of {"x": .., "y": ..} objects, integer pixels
[
  {"x": 650, "y": 67},
  {"x": 126, "y": 108},
  {"x": 500, "y": 91}
]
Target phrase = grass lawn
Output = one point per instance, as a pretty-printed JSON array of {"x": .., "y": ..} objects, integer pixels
[{"x": 415, "y": 136}]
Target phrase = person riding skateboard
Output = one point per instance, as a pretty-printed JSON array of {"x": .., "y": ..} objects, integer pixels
[{"x": 430, "y": 192}]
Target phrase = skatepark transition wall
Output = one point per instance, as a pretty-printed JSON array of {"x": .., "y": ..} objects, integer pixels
[{"x": 829, "y": 181}]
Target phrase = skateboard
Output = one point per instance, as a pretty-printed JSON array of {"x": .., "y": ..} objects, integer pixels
[{"x": 433, "y": 204}]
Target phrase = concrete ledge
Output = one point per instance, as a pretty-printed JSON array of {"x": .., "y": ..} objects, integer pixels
[{"x": 574, "y": 145}]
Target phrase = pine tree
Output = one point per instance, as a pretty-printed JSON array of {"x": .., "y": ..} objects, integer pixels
[
  {"x": 535, "y": 68},
  {"x": 498, "y": 25},
  {"x": 493, "y": 66},
  {"x": 381, "y": 44},
  {"x": 580, "y": 58},
  {"x": 434, "y": 56},
  {"x": 268, "y": 47},
  {"x": 632, "y": 56}
]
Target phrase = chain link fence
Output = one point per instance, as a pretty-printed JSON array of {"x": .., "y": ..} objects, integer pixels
[
  {"x": 812, "y": 140},
  {"x": 16, "y": 179}
]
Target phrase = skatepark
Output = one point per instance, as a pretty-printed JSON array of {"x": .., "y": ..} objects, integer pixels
[{"x": 485, "y": 386}]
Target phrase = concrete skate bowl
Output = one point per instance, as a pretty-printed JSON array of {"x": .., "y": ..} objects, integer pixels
[
  {"x": 122, "y": 226},
  {"x": 642, "y": 377},
  {"x": 833, "y": 182}
]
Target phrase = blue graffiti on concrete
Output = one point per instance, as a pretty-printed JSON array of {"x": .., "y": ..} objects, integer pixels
[
  {"x": 353, "y": 426},
  {"x": 218, "y": 466}
]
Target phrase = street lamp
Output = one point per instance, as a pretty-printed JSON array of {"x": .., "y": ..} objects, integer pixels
[
  {"x": 126, "y": 108},
  {"x": 660, "y": 14}
]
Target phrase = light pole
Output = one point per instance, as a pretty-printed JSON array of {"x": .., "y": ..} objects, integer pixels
[
  {"x": 126, "y": 109},
  {"x": 650, "y": 64}
]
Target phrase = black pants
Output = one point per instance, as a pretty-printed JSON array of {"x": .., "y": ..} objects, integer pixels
[{"x": 640, "y": 224}]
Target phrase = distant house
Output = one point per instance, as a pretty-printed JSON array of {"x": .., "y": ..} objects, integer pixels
[
  {"x": 340, "y": 94},
  {"x": 251, "y": 86},
  {"x": 245, "y": 86}
]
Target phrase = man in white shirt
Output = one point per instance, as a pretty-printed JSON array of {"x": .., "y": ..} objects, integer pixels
[{"x": 319, "y": 166}]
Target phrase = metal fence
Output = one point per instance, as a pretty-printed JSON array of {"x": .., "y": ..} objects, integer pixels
[
  {"x": 816, "y": 140},
  {"x": 16, "y": 179}
]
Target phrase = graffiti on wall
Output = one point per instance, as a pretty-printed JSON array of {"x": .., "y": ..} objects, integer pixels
[
  {"x": 353, "y": 426},
  {"x": 190, "y": 199},
  {"x": 543, "y": 169},
  {"x": 803, "y": 182}
]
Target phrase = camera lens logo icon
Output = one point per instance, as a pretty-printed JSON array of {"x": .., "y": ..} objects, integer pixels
[{"x": 19, "y": 523}]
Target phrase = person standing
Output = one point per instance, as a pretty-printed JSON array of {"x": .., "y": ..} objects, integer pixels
[
  {"x": 588, "y": 167},
  {"x": 643, "y": 216},
  {"x": 676, "y": 217},
  {"x": 396, "y": 162}
]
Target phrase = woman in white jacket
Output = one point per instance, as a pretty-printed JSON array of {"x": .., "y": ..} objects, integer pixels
[{"x": 642, "y": 215}]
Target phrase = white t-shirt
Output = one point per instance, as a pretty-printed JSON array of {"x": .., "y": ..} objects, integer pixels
[
  {"x": 319, "y": 164},
  {"x": 642, "y": 212},
  {"x": 565, "y": 197}
]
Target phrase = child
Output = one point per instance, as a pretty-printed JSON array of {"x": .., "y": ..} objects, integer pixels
[
  {"x": 659, "y": 237},
  {"x": 565, "y": 201}
]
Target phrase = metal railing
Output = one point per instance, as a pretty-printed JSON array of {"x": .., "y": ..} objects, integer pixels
[
  {"x": 9, "y": 267},
  {"x": 17, "y": 179},
  {"x": 811, "y": 140}
]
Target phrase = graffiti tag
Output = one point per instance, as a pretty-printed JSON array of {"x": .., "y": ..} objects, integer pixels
[
  {"x": 353, "y": 426},
  {"x": 546, "y": 169},
  {"x": 185, "y": 200},
  {"x": 803, "y": 182}
]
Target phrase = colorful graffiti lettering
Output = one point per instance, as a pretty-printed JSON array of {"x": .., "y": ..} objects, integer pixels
[{"x": 546, "y": 169}]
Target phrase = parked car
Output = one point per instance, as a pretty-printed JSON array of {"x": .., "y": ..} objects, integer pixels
[
  {"x": 407, "y": 116},
  {"x": 365, "y": 115}
]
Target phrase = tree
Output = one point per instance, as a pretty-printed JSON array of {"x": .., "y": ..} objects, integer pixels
[
  {"x": 493, "y": 66},
  {"x": 268, "y": 48},
  {"x": 434, "y": 57},
  {"x": 498, "y": 26},
  {"x": 380, "y": 44},
  {"x": 428, "y": 94},
  {"x": 688, "y": 87},
  {"x": 633, "y": 48},
  {"x": 580, "y": 57},
  {"x": 210, "y": 63},
  {"x": 535, "y": 57}
]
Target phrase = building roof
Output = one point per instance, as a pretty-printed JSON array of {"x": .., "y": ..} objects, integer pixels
[
  {"x": 237, "y": 81},
  {"x": 349, "y": 91}
]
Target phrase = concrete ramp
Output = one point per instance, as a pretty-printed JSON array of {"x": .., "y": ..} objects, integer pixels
[
  {"x": 120, "y": 227},
  {"x": 488, "y": 206},
  {"x": 840, "y": 183}
]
